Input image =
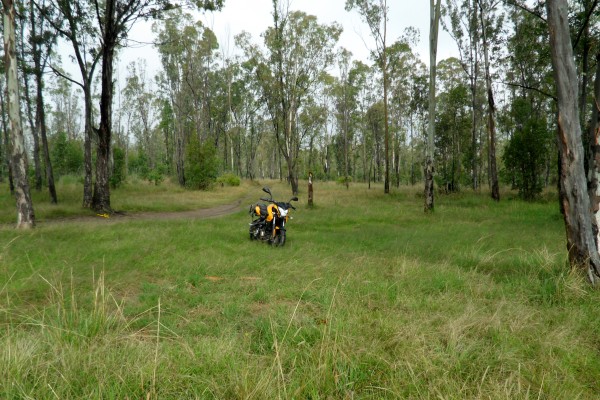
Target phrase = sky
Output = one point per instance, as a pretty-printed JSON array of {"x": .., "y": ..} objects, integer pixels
[{"x": 254, "y": 16}]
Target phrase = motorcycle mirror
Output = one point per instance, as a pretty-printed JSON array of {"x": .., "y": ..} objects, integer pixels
[
  {"x": 266, "y": 190},
  {"x": 294, "y": 198}
]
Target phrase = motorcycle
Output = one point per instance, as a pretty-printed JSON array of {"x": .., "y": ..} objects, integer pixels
[{"x": 268, "y": 221}]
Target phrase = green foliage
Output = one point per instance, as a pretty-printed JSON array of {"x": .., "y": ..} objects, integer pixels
[
  {"x": 229, "y": 179},
  {"x": 138, "y": 164},
  {"x": 526, "y": 155},
  {"x": 343, "y": 180},
  {"x": 157, "y": 175},
  {"x": 66, "y": 155},
  {"x": 118, "y": 172},
  {"x": 201, "y": 164}
]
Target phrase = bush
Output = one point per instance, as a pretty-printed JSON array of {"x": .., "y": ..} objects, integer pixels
[
  {"x": 229, "y": 179},
  {"x": 157, "y": 175},
  {"x": 66, "y": 155},
  {"x": 201, "y": 164},
  {"x": 118, "y": 173},
  {"x": 342, "y": 180}
]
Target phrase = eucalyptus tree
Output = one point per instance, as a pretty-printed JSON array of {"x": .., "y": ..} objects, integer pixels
[
  {"x": 375, "y": 14},
  {"x": 453, "y": 120},
  {"x": 186, "y": 50},
  {"x": 41, "y": 42},
  {"x": 490, "y": 25},
  {"x": 108, "y": 23},
  {"x": 26, "y": 72},
  {"x": 581, "y": 246},
  {"x": 246, "y": 112},
  {"x": 6, "y": 150},
  {"x": 74, "y": 21},
  {"x": 298, "y": 50},
  {"x": 115, "y": 18},
  {"x": 464, "y": 28},
  {"x": 139, "y": 101},
  {"x": 64, "y": 109},
  {"x": 402, "y": 65},
  {"x": 375, "y": 118},
  {"x": 417, "y": 122},
  {"x": 25, "y": 213},
  {"x": 434, "y": 22},
  {"x": 359, "y": 78},
  {"x": 526, "y": 153},
  {"x": 343, "y": 109}
]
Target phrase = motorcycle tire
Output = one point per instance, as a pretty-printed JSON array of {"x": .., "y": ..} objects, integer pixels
[{"x": 279, "y": 240}]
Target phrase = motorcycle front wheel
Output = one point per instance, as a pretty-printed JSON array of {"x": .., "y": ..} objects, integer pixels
[{"x": 279, "y": 239}]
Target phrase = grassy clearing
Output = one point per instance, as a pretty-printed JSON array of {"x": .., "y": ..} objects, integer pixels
[
  {"x": 131, "y": 197},
  {"x": 370, "y": 298}
]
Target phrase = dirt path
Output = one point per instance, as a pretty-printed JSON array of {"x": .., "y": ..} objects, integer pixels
[{"x": 121, "y": 216}]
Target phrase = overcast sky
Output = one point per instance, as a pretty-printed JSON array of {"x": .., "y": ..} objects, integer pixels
[{"x": 254, "y": 16}]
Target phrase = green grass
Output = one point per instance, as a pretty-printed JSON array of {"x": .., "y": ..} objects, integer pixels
[
  {"x": 131, "y": 197},
  {"x": 370, "y": 298}
]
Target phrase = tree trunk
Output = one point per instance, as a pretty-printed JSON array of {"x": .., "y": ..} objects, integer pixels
[
  {"x": 40, "y": 114},
  {"x": 87, "y": 146},
  {"x": 491, "y": 110},
  {"x": 101, "y": 196},
  {"x": 25, "y": 214},
  {"x": 27, "y": 94},
  {"x": 575, "y": 201},
  {"x": 594, "y": 154},
  {"x": 433, "y": 39},
  {"x": 7, "y": 150},
  {"x": 387, "y": 130},
  {"x": 35, "y": 134}
]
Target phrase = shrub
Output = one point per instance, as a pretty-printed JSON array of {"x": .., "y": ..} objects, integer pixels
[
  {"x": 157, "y": 175},
  {"x": 118, "y": 173},
  {"x": 66, "y": 155},
  {"x": 201, "y": 164},
  {"x": 342, "y": 180},
  {"x": 229, "y": 179}
]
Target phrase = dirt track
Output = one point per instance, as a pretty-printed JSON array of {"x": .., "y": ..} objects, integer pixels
[{"x": 120, "y": 216}]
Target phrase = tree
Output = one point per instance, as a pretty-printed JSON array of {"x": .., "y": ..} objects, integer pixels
[
  {"x": 186, "y": 50},
  {"x": 583, "y": 252},
  {"x": 464, "y": 21},
  {"x": 434, "y": 19},
  {"x": 527, "y": 150},
  {"x": 453, "y": 123},
  {"x": 74, "y": 21},
  {"x": 25, "y": 213},
  {"x": 375, "y": 14},
  {"x": 299, "y": 49},
  {"x": 41, "y": 41},
  {"x": 484, "y": 13}
]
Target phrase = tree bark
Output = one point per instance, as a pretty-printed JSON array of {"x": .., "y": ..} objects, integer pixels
[
  {"x": 491, "y": 110},
  {"x": 25, "y": 214},
  {"x": 7, "y": 150},
  {"x": 27, "y": 94},
  {"x": 101, "y": 196},
  {"x": 594, "y": 154},
  {"x": 40, "y": 114},
  {"x": 574, "y": 198},
  {"x": 433, "y": 39}
]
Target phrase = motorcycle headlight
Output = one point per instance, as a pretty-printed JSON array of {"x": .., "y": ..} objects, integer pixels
[{"x": 283, "y": 211}]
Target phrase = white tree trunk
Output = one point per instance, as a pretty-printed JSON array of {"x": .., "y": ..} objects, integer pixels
[{"x": 25, "y": 214}]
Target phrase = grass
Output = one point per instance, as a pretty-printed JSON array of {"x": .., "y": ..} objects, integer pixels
[
  {"x": 370, "y": 298},
  {"x": 134, "y": 196}
]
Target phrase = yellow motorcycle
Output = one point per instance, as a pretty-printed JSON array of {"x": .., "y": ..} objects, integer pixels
[{"x": 268, "y": 221}]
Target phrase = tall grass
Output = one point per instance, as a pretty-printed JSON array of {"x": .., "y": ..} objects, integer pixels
[{"x": 370, "y": 298}]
